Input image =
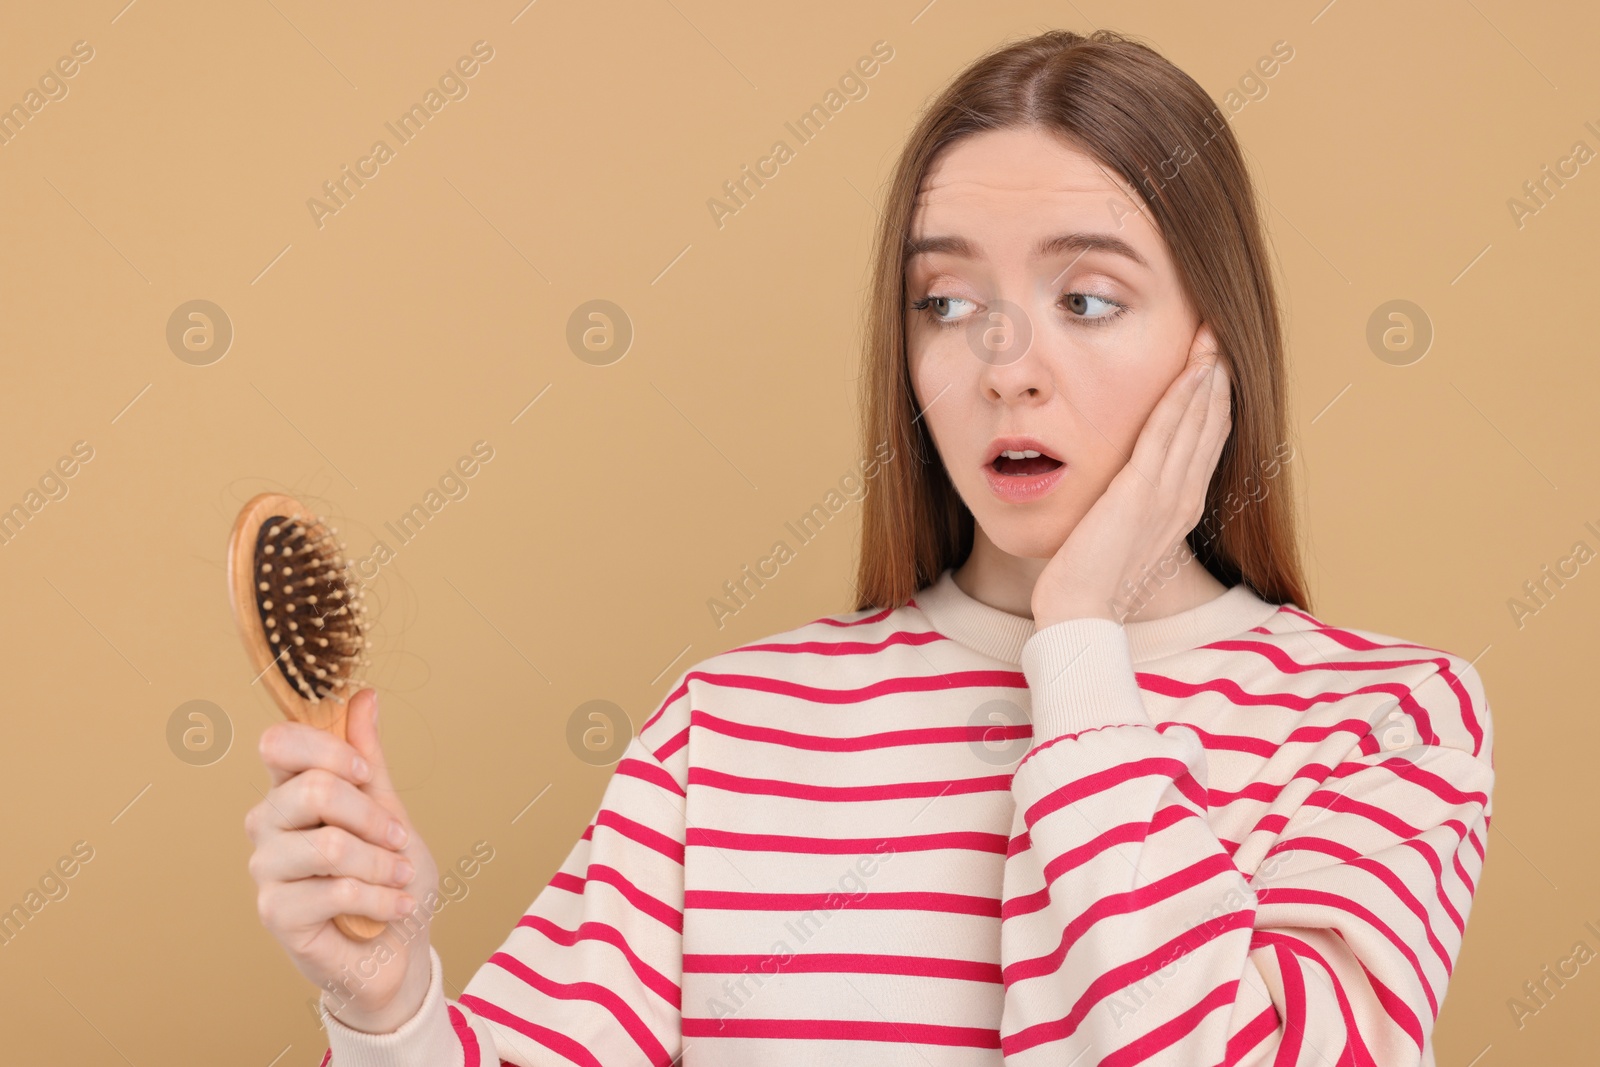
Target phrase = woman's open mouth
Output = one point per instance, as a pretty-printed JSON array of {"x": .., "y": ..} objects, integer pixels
[
  {"x": 1024, "y": 464},
  {"x": 1022, "y": 474}
]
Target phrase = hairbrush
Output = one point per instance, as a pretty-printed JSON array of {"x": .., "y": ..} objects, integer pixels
[{"x": 303, "y": 620}]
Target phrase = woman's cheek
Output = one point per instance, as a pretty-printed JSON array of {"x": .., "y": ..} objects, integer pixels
[
  {"x": 936, "y": 367},
  {"x": 1144, "y": 367},
  {"x": 1111, "y": 395},
  {"x": 931, "y": 376},
  {"x": 917, "y": 364}
]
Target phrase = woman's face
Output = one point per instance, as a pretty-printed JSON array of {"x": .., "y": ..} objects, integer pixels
[{"x": 1053, "y": 312}]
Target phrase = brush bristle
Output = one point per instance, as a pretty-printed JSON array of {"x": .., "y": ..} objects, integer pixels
[{"x": 313, "y": 613}]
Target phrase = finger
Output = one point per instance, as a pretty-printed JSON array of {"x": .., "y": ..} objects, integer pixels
[
  {"x": 308, "y": 903},
  {"x": 288, "y": 748},
  {"x": 1151, "y": 449},
  {"x": 315, "y": 798},
  {"x": 1185, "y": 439},
  {"x": 1219, "y": 423},
  {"x": 361, "y": 728},
  {"x": 327, "y": 851},
  {"x": 1206, "y": 415}
]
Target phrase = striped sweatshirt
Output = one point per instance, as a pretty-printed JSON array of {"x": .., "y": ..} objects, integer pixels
[{"x": 938, "y": 836}]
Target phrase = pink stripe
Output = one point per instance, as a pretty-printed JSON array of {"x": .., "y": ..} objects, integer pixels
[
  {"x": 1326, "y": 798},
  {"x": 1294, "y": 1000},
  {"x": 599, "y": 872},
  {"x": 1403, "y": 894},
  {"x": 1396, "y": 1006},
  {"x": 1433, "y": 783},
  {"x": 1290, "y": 609},
  {"x": 1312, "y": 843},
  {"x": 965, "y": 840},
  {"x": 1122, "y": 976},
  {"x": 654, "y": 840},
  {"x": 1432, "y": 860},
  {"x": 848, "y": 648},
  {"x": 942, "y": 903},
  {"x": 1353, "y": 1044},
  {"x": 1270, "y": 824},
  {"x": 846, "y": 793},
  {"x": 754, "y": 683},
  {"x": 1250, "y": 1035},
  {"x": 572, "y": 883},
  {"x": 1192, "y": 790},
  {"x": 843, "y": 1030},
  {"x": 1461, "y": 870},
  {"x": 1352, "y": 640},
  {"x": 1124, "y": 903},
  {"x": 877, "y": 616},
  {"x": 845, "y": 963},
  {"x": 1100, "y": 781},
  {"x": 654, "y": 980},
  {"x": 667, "y": 702},
  {"x": 669, "y": 747},
  {"x": 1469, "y": 713},
  {"x": 465, "y": 1034},
  {"x": 1171, "y": 1032},
  {"x": 591, "y": 992},
  {"x": 927, "y": 735},
  {"x": 1276, "y": 655},
  {"x": 1291, "y": 895},
  {"x": 1266, "y": 792},
  {"x": 1125, "y": 833},
  {"x": 1260, "y": 746},
  {"x": 650, "y": 772},
  {"x": 553, "y": 1040}
]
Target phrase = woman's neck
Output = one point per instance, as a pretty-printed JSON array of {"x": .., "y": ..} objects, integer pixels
[{"x": 1001, "y": 580}]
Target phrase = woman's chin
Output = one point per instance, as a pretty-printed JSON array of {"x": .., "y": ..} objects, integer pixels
[{"x": 1039, "y": 537}]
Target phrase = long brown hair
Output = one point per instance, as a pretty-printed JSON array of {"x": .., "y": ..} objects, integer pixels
[{"x": 1132, "y": 110}]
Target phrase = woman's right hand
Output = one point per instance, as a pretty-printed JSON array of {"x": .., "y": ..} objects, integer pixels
[{"x": 323, "y": 848}]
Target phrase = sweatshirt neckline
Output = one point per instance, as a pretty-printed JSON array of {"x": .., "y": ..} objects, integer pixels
[{"x": 1000, "y": 635}]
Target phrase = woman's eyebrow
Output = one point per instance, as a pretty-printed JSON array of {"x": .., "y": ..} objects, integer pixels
[{"x": 1080, "y": 243}]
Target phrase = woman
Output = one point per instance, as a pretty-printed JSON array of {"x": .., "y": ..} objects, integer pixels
[{"x": 1079, "y": 781}]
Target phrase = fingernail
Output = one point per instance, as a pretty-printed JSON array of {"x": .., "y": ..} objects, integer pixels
[
  {"x": 403, "y": 905},
  {"x": 1201, "y": 371},
  {"x": 374, "y": 709},
  {"x": 359, "y": 766},
  {"x": 397, "y": 834},
  {"x": 403, "y": 871}
]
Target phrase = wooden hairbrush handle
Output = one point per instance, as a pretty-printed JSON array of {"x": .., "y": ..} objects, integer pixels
[
  {"x": 283, "y": 563},
  {"x": 356, "y": 927}
]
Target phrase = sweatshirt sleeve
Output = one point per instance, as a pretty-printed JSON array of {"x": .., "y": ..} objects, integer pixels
[
  {"x": 591, "y": 972},
  {"x": 1127, "y": 930}
]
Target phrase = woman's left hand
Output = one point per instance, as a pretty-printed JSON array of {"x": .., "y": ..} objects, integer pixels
[{"x": 1153, "y": 502}]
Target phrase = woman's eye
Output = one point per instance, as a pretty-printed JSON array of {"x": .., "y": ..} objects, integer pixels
[
  {"x": 1083, "y": 305},
  {"x": 939, "y": 308}
]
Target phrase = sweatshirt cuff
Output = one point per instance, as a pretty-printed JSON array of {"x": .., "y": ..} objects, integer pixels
[
  {"x": 1080, "y": 674},
  {"x": 425, "y": 1040}
]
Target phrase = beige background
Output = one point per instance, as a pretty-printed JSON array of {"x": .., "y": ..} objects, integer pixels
[{"x": 431, "y": 310}]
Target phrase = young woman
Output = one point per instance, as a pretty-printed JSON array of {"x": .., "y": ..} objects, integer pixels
[{"x": 1080, "y": 779}]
